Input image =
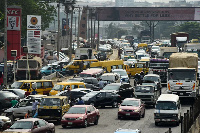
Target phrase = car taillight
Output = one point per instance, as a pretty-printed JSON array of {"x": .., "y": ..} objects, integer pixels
[
  {"x": 193, "y": 86},
  {"x": 168, "y": 86}
]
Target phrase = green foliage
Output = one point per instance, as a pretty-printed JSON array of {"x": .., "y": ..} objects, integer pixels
[
  {"x": 114, "y": 32},
  {"x": 192, "y": 28},
  {"x": 30, "y": 7}
]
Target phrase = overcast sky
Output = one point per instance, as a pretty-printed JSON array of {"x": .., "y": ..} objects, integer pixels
[{"x": 145, "y": 0}]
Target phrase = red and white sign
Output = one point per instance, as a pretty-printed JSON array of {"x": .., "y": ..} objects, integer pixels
[{"x": 13, "y": 23}]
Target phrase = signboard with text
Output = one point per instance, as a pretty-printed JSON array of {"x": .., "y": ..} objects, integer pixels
[{"x": 148, "y": 13}]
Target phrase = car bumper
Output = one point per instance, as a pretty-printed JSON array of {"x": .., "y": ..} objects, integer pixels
[
  {"x": 72, "y": 123},
  {"x": 128, "y": 114},
  {"x": 49, "y": 117},
  {"x": 165, "y": 120}
]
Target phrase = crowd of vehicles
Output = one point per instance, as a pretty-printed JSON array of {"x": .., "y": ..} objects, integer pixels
[{"x": 105, "y": 83}]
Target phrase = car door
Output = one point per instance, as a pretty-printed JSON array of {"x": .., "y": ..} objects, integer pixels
[
  {"x": 109, "y": 98},
  {"x": 43, "y": 126},
  {"x": 89, "y": 114},
  {"x": 36, "y": 127},
  {"x": 93, "y": 114},
  {"x": 100, "y": 98}
]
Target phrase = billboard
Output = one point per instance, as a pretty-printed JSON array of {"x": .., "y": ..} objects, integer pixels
[
  {"x": 83, "y": 23},
  {"x": 148, "y": 13},
  {"x": 33, "y": 22},
  {"x": 13, "y": 30}
]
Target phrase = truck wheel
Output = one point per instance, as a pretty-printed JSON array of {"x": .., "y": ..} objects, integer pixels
[{"x": 156, "y": 123}]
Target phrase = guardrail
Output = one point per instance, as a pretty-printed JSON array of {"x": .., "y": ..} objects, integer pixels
[{"x": 190, "y": 116}]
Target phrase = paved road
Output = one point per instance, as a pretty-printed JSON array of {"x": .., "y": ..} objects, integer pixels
[{"x": 108, "y": 122}]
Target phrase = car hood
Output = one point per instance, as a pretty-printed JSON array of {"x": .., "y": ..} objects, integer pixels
[
  {"x": 17, "y": 131},
  {"x": 125, "y": 77},
  {"x": 73, "y": 115},
  {"x": 129, "y": 107}
]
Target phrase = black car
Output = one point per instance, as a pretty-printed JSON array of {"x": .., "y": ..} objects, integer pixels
[
  {"x": 74, "y": 94},
  {"x": 5, "y": 99},
  {"x": 102, "y": 98},
  {"x": 91, "y": 83},
  {"x": 125, "y": 90}
]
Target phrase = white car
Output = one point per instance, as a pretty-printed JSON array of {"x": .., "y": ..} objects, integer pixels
[
  {"x": 5, "y": 122},
  {"x": 123, "y": 74}
]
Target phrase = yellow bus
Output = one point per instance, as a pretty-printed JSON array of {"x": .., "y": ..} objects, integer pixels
[
  {"x": 108, "y": 65},
  {"x": 143, "y": 45},
  {"x": 134, "y": 68}
]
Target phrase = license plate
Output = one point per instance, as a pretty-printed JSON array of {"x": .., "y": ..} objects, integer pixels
[
  {"x": 127, "y": 113},
  {"x": 70, "y": 123}
]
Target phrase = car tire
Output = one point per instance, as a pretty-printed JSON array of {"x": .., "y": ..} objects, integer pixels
[
  {"x": 96, "y": 121},
  {"x": 139, "y": 116},
  {"x": 115, "y": 104},
  {"x": 64, "y": 126},
  {"x": 119, "y": 117},
  {"x": 85, "y": 123},
  {"x": 143, "y": 114},
  {"x": 156, "y": 123},
  {"x": 177, "y": 123}
]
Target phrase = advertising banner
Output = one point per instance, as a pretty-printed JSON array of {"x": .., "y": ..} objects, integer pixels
[
  {"x": 83, "y": 23},
  {"x": 33, "y": 22},
  {"x": 148, "y": 13}
]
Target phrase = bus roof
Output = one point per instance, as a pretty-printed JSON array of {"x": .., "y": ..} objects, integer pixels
[{"x": 168, "y": 97}]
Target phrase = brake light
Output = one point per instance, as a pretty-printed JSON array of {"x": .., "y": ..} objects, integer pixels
[
  {"x": 168, "y": 86},
  {"x": 193, "y": 86}
]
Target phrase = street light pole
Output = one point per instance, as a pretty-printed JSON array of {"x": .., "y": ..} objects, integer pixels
[
  {"x": 5, "y": 46},
  {"x": 70, "y": 45},
  {"x": 78, "y": 40},
  {"x": 58, "y": 34}
]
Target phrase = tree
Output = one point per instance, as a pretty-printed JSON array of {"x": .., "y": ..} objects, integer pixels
[
  {"x": 192, "y": 28},
  {"x": 30, "y": 7},
  {"x": 114, "y": 32}
]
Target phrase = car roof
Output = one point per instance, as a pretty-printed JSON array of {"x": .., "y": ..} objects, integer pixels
[
  {"x": 59, "y": 97},
  {"x": 68, "y": 83},
  {"x": 81, "y": 105},
  {"x": 29, "y": 119},
  {"x": 132, "y": 99},
  {"x": 32, "y": 80},
  {"x": 108, "y": 74},
  {"x": 114, "y": 84},
  {"x": 118, "y": 70},
  {"x": 152, "y": 75},
  {"x": 168, "y": 97}
]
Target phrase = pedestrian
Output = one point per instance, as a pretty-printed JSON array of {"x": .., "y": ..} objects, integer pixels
[
  {"x": 14, "y": 102},
  {"x": 34, "y": 106},
  {"x": 34, "y": 92},
  {"x": 80, "y": 101},
  {"x": 27, "y": 115}
]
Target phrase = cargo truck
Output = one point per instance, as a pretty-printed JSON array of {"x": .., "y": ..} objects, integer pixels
[
  {"x": 167, "y": 51},
  {"x": 182, "y": 75}
]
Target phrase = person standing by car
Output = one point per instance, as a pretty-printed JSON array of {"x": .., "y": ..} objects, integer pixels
[
  {"x": 34, "y": 92},
  {"x": 34, "y": 106},
  {"x": 27, "y": 115},
  {"x": 80, "y": 101}
]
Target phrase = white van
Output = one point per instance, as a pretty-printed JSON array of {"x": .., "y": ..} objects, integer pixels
[
  {"x": 167, "y": 109},
  {"x": 110, "y": 77}
]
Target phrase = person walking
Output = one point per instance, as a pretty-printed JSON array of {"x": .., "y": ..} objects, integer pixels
[
  {"x": 14, "y": 102},
  {"x": 34, "y": 106},
  {"x": 27, "y": 115}
]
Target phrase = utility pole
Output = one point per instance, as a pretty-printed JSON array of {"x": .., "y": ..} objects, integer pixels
[
  {"x": 58, "y": 34},
  {"x": 5, "y": 46},
  {"x": 91, "y": 28},
  {"x": 79, "y": 15},
  {"x": 98, "y": 32},
  {"x": 70, "y": 46}
]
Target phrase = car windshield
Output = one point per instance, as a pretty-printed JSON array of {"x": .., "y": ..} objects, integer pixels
[
  {"x": 122, "y": 73},
  {"x": 22, "y": 125},
  {"x": 77, "y": 110},
  {"x": 74, "y": 80},
  {"x": 111, "y": 87},
  {"x": 23, "y": 103},
  {"x": 16, "y": 85},
  {"x": 134, "y": 103},
  {"x": 85, "y": 75},
  {"x": 50, "y": 102},
  {"x": 45, "y": 67},
  {"x": 90, "y": 94},
  {"x": 150, "y": 78},
  {"x": 166, "y": 105},
  {"x": 186, "y": 75},
  {"x": 58, "y": 87},
  {"x": 144, "y": 89}
]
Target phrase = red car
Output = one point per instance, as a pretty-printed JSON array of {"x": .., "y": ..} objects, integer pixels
[
  {"x": 31, "y": 125},
  {"x": 80, "y": 115},
  {"x": 131, "y": 107}
]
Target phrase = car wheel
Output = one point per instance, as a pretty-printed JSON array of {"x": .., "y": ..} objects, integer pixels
[
  {"x": 85, "y": 123},
  {"x": 143, "y": 114},
  {"x": 96, "y": 120},
  {"x": 177, "y": 123},
  {"x": 139, "y": 116},
  {"x": 64, "y": 126},
  {"x": 92, "y": 103},
  {"x": 49, "y": 131},
  {"x": 156, "y": 123},
  {"x": 115, "y": 104},
  {"x": 119, "y": 117}
]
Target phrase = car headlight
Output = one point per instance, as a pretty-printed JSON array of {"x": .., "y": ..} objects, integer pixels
[
  {"x": 63, "y": 118},
  {"x": 79, "y": 118},
  {"x": 136, "y": 110},
  {"x": 174, "y": 115},
  {"x": 152, "y": 97},
  {"x": 156, "y": 114},
  {"x": 5, "y": 120},
  {"x": 120, "y": 109},
  {"x": 59, "y": 110}
]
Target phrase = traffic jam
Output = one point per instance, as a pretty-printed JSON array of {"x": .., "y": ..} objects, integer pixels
[{"x": 126, "y": 77}]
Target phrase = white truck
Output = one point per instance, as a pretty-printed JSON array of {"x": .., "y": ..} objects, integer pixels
[
  {"x": 182, "y": 75},
  {"x": 167, "y": 51}
]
